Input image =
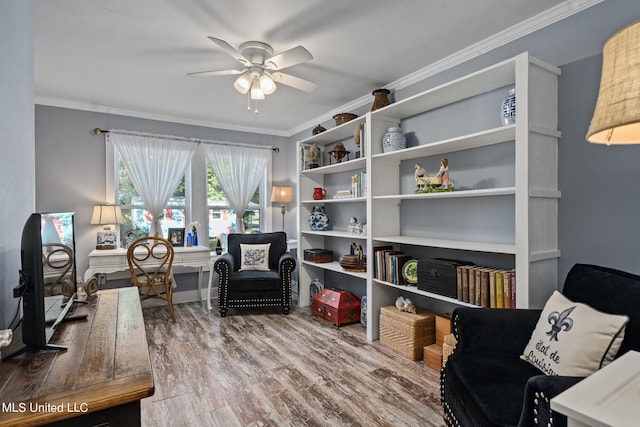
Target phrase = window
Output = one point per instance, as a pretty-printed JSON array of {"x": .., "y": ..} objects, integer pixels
[
  {"x": 137, "y": 220},
  {"x": 222, "y": 219},
  {"x": 208, "y": 205}
]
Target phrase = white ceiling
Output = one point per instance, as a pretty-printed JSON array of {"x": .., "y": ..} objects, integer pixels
[{"x": 132, "y": 56}]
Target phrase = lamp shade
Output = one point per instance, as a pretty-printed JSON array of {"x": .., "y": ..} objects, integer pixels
[
  {"x": 106, "y": 214},
  {"x": 616, "y": 119},
  {"x": 282, "y": 194}
]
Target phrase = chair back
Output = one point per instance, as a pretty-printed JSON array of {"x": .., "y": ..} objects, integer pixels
[
  {"x": 611, "y": 291},
  {"x": 57, "y": 262},
  {"x": 277, "y": 239},
  {"x": 150, "y": 260}
]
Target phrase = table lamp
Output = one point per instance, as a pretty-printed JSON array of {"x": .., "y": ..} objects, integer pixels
[
  {"x": 616, "y": 119},
  {"x": 107, "y": 215},
  {"x": 283, "y": 195}
]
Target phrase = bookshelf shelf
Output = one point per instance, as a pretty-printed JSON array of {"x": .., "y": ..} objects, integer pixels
[{"x": 416, "y": 291}]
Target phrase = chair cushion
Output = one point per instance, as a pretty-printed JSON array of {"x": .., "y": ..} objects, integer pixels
[
  {"x": 488, "y": 388},
  {"x": 573, "y": 339},
  {"x": 252, "y": 280},
  {"x": 254, "y": 257}
]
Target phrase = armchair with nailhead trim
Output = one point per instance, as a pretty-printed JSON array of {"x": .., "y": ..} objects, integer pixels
[
  {"x": 485, "y": 383},
  {"x": 255, "y": 288}
]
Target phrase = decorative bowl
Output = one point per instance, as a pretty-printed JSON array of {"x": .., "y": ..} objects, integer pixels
[{"x": 344, "y": 118}]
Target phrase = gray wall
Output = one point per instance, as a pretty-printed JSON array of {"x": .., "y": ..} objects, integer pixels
[
  {"x": 17, "y": 161},
  {"x": 71, "y": 165}
]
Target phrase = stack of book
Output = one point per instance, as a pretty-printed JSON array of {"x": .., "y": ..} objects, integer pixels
[
  {"x": 486, "y": 287},
  {"x": 343, "y": 194},
  {"x": 388, "y": 264}
]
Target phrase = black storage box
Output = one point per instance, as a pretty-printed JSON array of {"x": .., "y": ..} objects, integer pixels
[
  {"x": 318, "y": 255},
  {"x": 439, "y": 275}
]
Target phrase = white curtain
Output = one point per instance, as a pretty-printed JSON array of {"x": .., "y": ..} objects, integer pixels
[
  {"x": 156, "y": 166},
  {"x": 239, "y": 169}
]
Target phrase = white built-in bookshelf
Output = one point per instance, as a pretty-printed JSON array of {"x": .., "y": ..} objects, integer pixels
[{"x": 503, "y": 212}]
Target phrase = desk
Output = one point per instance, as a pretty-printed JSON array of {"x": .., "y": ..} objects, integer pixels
[
  {"x": 113, "y": 260},
  {"x": 608, "y": 397},
  {"x": 101, "y": 377}
]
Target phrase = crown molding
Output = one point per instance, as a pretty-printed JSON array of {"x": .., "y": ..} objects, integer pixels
[{"x": 86, "y": 106}]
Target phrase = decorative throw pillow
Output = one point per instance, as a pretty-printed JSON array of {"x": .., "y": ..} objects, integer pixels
[
  {"x": 254, "y": 257},
  {"x": 573, "y": 339}
]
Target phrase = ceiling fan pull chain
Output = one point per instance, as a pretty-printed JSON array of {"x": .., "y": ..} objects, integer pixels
[
  {"x": 256, "y": 110},
  {"x": 248, "y": 101}
]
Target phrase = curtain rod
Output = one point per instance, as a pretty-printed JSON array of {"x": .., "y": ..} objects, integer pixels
[{"x": 99, "y": 131}]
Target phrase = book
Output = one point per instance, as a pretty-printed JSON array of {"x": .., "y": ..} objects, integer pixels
[
  {"x": 459, "y": 270},
  {"x": 513, "y": 288},
  {"x": 398, "y": 262},
  {"x": 492, "y": 289},
  {"x": 484, "y": 287},
  {"x": 465, "y": 284},
  {"x": 377, "y": 258},
  {"x": 499, "y": 289},
  {"x": 472, "y": 286},
  {"x": 506, "y": 281}
]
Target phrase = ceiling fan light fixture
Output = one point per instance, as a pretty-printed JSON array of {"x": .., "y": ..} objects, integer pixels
[
  {"x": 243, "y": 83},
  {"x": 267, "y": 84}
]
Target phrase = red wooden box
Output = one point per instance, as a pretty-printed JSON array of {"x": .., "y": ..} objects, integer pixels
[{"x": 337, "y": 306}]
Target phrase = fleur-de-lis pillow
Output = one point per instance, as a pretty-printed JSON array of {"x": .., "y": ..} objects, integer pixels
[
  {"x": 573, "y": 339},
  {"x": 254, "y": 257}
]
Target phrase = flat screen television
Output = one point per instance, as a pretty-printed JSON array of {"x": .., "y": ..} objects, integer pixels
[{"x": 48, "y": 229}]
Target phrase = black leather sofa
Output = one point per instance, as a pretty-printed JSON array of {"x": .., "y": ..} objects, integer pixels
[
  {"x": 251, "y": 289},
  {"x": 485, "y": 383}
]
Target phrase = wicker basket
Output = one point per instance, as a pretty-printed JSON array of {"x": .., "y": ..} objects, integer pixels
[
  {"x": 406, "y": 333},
  {"x": 448, "y": 347}
]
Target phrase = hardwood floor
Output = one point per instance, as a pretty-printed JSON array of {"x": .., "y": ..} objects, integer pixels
[{"x": 260, "y": 368}]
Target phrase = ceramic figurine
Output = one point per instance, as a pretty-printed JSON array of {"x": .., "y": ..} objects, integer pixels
[
  {"x": 444, "y": 174},
  {"x": 421, "y": 177},
  {"x": 354, "y": 226}
]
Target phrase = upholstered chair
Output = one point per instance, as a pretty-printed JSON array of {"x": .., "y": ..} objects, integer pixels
[
  {"x": 255, "y": 272},
  {"x": 485, "y": 382}
]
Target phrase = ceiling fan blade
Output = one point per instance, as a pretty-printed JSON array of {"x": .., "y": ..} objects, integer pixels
[
  {"x": 230, "y": 50},
  {"x": 294, "y": 82},
  {"x": 288, "y": 58},
  {"x": 215, "y": 73}
]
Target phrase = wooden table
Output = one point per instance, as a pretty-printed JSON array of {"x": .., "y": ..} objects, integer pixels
[
  {"x": 101, "y": 377},
  {"x": 608, "y": 397}
]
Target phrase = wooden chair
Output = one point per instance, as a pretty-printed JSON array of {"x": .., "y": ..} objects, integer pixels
[
  {"x": 150, "y": 260},
  {"x": 59, "y": 274}
]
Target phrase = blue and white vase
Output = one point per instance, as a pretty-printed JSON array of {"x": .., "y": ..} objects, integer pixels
[
  {"x": 509, "y": 108},
  {"x": 318, "y": 220},
  {"x": 393, "y": 140}
]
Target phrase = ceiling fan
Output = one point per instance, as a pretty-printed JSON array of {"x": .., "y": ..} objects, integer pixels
[{"x": 262, "y": 68}]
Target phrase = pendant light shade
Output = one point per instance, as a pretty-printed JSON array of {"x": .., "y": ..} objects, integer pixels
[
  {"x": 616, "y": 119},
  {"x": 243, "y": 83},
  {"x": 267, "y": 84}
]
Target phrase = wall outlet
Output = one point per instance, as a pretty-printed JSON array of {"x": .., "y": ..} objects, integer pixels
[{"x": 102, "y": 279}]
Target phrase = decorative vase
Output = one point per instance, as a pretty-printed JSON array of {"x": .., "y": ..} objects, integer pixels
[
  {"x": 319, "y": 193},
  {"x": 381, "y": 98},
  {"x": 195, "y": 239},
  {"x": 393, "y": 140},
  {"x": 318, "y": 129},
  {"x": 509, "y": 108},
  {"x": 318, "y": 220},
  {"x": 189, "y": 240}
]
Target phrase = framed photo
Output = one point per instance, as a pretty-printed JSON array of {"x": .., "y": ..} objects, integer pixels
[
  {"x": 176, "y": 236},
  {"x": 107, "y": 239}
]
